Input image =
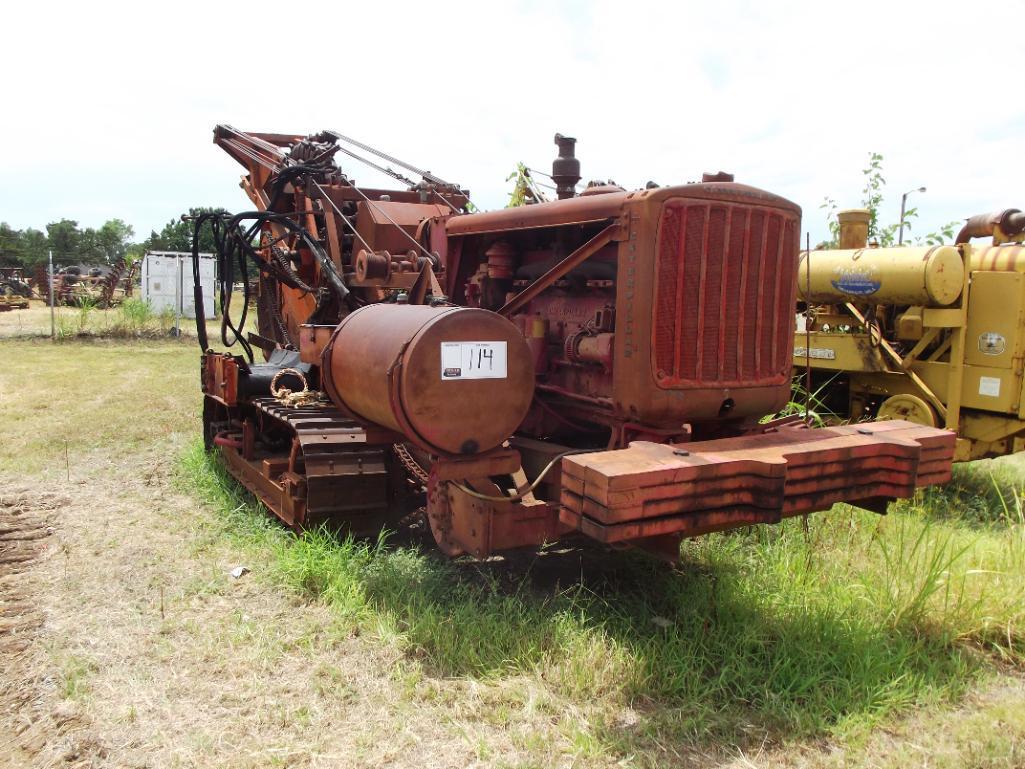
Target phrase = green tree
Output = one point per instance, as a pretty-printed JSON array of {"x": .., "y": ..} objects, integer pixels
[
  {"x": 70, "y": 244},
  {"x": 114, "y": 239},
  {"x": 153, "y": 242},
  {"x": 34, "y": 245},
  {"x": 875, "y": 182},
  {"x": 89, "y": 251},
  {"x": 177, "y": 235},
  {"x": 64, "y": 240},
  {"x": 11, "y": 249},
  {"x": 831, "y": 222}
]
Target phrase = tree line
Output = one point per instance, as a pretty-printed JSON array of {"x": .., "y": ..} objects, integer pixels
[{"x": 112, "y": 241}]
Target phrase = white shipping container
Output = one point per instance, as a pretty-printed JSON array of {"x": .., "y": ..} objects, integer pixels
[{"x": 167, "y": 282}]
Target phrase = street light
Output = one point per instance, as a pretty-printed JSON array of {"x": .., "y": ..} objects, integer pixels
[{"x": 903, "y": 202}]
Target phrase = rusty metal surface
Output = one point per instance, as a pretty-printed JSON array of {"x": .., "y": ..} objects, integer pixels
[
  {"x": 335, "y": 471},
  {"x": 344, "y": 468},
  {"x": 386, "y": 367},
  {"x": 561, "y": 269},
  {"x": 1009, "y": 223},
  {"x": 596, "y": 208},
  {"x": 720, "y": 291},
  {"x": 1005, "y": 258},
  {"x": 724, "y": 295},
  {"x": 220, "y": 378},
  {"x": 13, "y": 294},
  {"x": 566, "y": 167},
  {"x": 462, "y": 523},
  {"x": 377, "y": 220},
  {"x": 693, "y": 294},
  {"x": 698, "y": 487},
  {"x": 853, "y": 224}
]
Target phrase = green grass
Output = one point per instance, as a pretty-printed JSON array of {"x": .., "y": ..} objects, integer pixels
[
  {"x": 805, "y": 639},
  {"x": 134, "y": 318},
  {"x": 74, "y": 675},
  {"x": 71, "y": 407},
  {"x": 810, "y": 405},
  {"x": 769, "y": 630}
]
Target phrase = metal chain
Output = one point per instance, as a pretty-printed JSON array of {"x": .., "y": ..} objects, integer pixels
[
  {"x": 411, "y": 465},
  {"x": 268, "y": 294}
]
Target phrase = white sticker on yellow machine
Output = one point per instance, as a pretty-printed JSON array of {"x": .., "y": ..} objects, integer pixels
[
  {"x": 821, "y": 353},
  {"x": 473, "y": 360},
  {"x": 989, "y": 385}
]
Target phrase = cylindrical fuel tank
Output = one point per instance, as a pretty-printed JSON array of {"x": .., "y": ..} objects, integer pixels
[
  {"x": 919, "y": 275},
  {"x": 454, "y": 380}
]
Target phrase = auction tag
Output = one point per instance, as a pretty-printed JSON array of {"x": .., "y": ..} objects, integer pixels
[
  {"x": 989, "y": 385},
  {"x": 473, "y": 360}
]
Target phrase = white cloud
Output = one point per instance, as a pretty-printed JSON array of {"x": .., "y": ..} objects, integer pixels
[{"x": 110, "y": 106}]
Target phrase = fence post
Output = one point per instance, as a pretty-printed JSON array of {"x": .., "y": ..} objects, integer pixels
[{"x": 53, "y": 321}]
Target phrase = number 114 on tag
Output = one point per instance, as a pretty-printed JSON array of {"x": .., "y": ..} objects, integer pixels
[{"x": 473, "y": 360}]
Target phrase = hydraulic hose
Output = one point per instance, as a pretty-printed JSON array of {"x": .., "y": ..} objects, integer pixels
[{"x": 234, "y": 247}]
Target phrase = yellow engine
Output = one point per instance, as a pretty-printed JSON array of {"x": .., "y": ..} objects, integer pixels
[{"x": 934, "y": 335}]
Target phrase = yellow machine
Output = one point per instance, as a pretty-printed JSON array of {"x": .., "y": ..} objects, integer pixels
[
  {"x": 11, "y": 297},
  {"x": 934, "y": 335}
]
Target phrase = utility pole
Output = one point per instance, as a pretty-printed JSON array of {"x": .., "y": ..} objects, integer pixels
[{"x": 53, "y": 320}]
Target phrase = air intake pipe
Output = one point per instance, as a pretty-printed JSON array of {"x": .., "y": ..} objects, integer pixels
[{"x": 1008, "y": 223}]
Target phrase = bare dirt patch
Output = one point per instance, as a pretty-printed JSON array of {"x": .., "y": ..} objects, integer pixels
[
  {"x": 26, "y": 530},
  {"x": 24, "y": 525}
]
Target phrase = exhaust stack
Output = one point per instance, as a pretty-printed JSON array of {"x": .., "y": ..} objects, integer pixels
[{"x": 566, "y": 167}]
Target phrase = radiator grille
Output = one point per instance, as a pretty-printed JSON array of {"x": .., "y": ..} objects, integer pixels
[{"x": 724, "y": 307}]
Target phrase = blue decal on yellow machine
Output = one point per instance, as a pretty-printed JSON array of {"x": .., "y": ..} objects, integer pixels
[{"x": 856, "y": 283}]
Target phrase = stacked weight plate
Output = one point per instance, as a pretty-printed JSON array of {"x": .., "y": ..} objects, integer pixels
[{"x": 650, "y": 489}]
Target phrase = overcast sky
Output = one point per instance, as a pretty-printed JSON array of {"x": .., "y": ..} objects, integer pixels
[{"x": 108, "y": 108}]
